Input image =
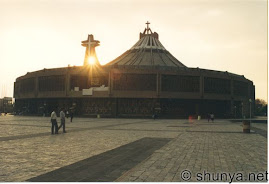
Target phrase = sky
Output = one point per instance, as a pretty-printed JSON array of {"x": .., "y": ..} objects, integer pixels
[{"x": 223, "y": 35}]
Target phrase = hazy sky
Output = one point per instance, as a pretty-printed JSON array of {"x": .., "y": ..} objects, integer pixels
[{"x": 224, "y": 35}]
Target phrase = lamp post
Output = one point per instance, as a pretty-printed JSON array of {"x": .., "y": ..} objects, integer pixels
[
  {"x": 44, "y": 109},
  {"x": 242, "y": 104},
  {"x": 250, "y": 101},
  {"x": 234, "y": 111}
]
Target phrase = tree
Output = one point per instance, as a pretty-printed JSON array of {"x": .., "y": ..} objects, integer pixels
[{"x": 260, "y": 107}]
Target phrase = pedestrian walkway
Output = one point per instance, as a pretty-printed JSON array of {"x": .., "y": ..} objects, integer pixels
[
  {"x": 106, "y": 166},
  {"x": 128, "y": 149}
]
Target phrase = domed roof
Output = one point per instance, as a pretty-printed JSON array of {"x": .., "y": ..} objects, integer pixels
[{"x": 148, "y": 51}]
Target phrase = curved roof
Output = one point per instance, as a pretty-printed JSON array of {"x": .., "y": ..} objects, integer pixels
[{"x": 148, "y": 51}]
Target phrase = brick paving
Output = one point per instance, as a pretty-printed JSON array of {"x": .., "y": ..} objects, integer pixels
[
  {"x": 28, "y": 150},
  {"x": 107, "y": 166}
]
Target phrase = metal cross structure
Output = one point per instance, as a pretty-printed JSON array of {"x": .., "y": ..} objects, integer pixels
[
  {"x": 147, "y": 27},
  {"x": 90, "y": 45}
]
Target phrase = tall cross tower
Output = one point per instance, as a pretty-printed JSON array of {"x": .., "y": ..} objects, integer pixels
[{"x": 90, "y": 54}]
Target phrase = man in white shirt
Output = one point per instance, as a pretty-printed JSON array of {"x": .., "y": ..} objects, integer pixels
[
  {"x": 62, "y": 117},
  {"x": 54, "y": 125}
]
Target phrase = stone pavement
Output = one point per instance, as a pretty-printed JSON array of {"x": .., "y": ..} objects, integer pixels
[{"x": 130, "y": 150}]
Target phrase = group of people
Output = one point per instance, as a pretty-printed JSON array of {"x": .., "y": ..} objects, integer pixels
[{"x": 54, "y": 124}]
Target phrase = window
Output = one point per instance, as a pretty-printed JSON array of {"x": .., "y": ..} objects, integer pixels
[
  {"x": 135, "y": 82},
  {"x": 51, "y": 83},
  {"x": 240, "y": 88},
  {"x": 78, "y": 81},
  {"x": 27, "y": 85},
  {"x": 216, "y": 85},
  {"x": 180, "y": 83}
]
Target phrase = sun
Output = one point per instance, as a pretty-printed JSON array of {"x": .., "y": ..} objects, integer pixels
[{"x": 91, "y": 60}]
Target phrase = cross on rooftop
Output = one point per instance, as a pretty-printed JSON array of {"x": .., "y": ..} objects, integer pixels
[{"x": 147, "y": 27}]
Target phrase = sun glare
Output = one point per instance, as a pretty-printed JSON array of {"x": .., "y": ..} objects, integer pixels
[{"x": 91, "y": 60}]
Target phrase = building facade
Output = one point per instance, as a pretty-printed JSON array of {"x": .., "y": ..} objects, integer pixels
[
  {"x": 145, "y": 80},
  {"x": 6, "y": 105}
]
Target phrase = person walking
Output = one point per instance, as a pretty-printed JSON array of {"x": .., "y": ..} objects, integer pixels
[
  {"x": 71, "y": 115},
  {"x": 62, "y": 117},
  {"x": 212, "y": 117},
  {"x": 54, "y": 125}
]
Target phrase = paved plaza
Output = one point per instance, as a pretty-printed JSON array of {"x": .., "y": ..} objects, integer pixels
[{"x": 100, "y": 149}]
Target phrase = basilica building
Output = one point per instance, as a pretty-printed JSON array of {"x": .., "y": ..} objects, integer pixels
[{"x": 145, "y": 80}]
